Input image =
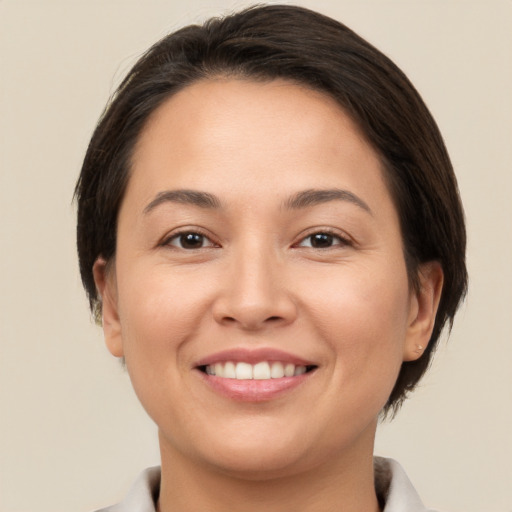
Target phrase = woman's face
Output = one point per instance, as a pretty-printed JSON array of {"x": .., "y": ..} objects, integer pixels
[{"x": 257, "y": 237}]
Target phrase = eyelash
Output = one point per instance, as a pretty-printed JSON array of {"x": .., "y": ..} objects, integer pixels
[
  {"x": 342, "y": 241},
  {"x": 177, "y": 236},
  {"x": 333, "y": 236}
]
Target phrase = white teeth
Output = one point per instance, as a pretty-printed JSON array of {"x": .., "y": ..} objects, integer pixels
[
  {"x": 299, "y": 370},
  {"x": 243, "y": 371},
  {"x": 277, "y": 371},
  {"x": 289, "y": 370},
  {"x": 229, "y": 370},
  {"x": 260, "y": 371},
  {"x": 219, "y": 369}
]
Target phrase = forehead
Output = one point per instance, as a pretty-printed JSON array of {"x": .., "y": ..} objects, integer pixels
[{"x": 276, "y": 135}]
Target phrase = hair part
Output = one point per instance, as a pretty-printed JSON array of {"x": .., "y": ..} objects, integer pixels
[{"x": 304, "y": 47}]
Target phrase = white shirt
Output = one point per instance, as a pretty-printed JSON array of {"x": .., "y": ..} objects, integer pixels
[{"x": 391, "y": 483}]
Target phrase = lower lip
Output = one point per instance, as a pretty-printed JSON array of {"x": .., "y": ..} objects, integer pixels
[{"x": 253, "y": 390}]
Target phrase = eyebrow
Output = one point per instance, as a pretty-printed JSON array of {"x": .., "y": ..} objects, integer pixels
[
  {"x": 192, "y": 197},
  {"x": 300, "y": 200},
  {"x": 313, "y": 197}
]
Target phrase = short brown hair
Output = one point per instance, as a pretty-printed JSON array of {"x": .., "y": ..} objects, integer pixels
[{"x": 302, "y": 46}]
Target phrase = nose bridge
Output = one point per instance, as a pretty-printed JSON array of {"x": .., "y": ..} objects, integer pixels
[
  {"x": 254, "y": 275},
  {"x": 256, "y": 292}
]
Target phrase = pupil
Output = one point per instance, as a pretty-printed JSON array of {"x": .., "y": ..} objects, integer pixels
[
  {"x": 321, "y": 240},
  {"x": 191, "y": 240}
]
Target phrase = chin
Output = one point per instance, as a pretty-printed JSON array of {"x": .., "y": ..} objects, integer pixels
[
  {"x": 252, "y": 454},
  {"x": 261, "y": 463}
]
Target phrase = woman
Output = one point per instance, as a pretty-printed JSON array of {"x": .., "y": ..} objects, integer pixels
[{"x": 270, "y": 231}]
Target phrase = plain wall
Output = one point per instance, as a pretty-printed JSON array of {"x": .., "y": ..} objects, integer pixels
[{"x": 72, "y": 434}]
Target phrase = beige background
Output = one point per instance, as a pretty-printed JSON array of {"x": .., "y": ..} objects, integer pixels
[{"x": 72, "y": 435}]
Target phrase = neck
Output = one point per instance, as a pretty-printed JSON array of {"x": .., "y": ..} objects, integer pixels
[{"x": 346, "y": 484}]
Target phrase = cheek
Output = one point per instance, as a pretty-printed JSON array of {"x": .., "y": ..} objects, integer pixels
[
  {"x": 159, "y": 311},
  {"x": 363, "y": 317}
]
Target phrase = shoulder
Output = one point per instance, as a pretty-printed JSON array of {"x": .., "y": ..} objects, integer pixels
[
  {"x": 143, "y": 494},
  {"x": 395, "y": 490}
]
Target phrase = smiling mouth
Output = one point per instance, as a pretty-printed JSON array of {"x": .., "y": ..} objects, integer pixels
[{"x": 263, "y": 370}]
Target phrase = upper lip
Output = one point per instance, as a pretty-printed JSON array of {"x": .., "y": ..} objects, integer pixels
[{"x": 253, "y": 356}]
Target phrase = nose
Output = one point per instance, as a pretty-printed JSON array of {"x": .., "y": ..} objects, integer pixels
[{"x": 255, "y": 295}]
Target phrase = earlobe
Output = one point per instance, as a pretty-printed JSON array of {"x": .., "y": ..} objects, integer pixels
[
  {"x": 425, "y": 302},
  {"x": 105, "y": 283}
]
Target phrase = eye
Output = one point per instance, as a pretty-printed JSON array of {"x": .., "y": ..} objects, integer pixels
[
  {"x": 189, "y": 240},
  {"x": 322, "y": 240}
]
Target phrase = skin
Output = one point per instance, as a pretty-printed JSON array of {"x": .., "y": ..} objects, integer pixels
[{"x": 255, "y": 280}]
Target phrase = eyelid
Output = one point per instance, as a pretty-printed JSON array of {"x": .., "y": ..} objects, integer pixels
[
  {"x": 175, "y": 234},
  {"x": 345, "y": 239}
]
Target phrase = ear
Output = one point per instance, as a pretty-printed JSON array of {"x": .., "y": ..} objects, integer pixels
[
  {"x": 424, "y": 304},
  {"x": 104, "y": 279}
]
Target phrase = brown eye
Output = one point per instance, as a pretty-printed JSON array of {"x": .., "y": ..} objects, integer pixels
[
  {"x": 322, "y": 240},
  {"x": 189, "y": 241}
]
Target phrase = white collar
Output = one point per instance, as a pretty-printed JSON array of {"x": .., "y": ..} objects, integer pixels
[
  {"x": 392, "y": 485},
  {"x": 395, "y": 488}
]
